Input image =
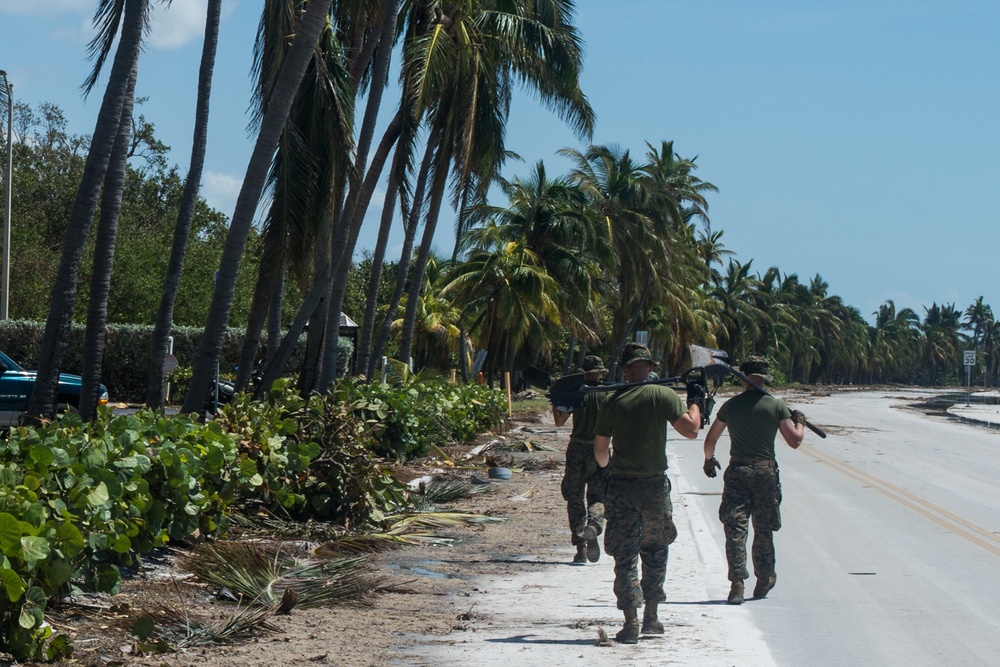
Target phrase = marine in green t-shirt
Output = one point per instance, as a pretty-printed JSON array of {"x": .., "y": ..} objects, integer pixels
[
  {"x": 640, "y": 525},
  {"x": 752, "y": 489},
  {"x": 638, "y": 418},
  {"x": 582, "y": 486}
]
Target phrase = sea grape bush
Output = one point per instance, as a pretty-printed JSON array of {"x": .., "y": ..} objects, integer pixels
[{"x": 79, "y": 500}]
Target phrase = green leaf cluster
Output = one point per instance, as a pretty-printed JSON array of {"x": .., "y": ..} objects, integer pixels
[{"x": 79, "y": 500}]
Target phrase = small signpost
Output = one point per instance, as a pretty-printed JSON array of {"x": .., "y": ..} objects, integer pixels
[{"x": 969, "y": 358}]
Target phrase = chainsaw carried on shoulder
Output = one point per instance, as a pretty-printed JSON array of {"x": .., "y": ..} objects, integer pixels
[
  {"x": 709, "y": 367},
  {"x": 700, "y": 382}
]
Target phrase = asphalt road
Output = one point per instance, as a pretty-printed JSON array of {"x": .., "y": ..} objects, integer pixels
[{"x": 889, "y": 552}]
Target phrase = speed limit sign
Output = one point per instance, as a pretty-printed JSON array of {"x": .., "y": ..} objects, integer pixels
[{"x": 969, "y": 357}]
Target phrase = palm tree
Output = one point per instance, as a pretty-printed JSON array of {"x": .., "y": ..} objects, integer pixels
[
  {"x": 549, "y": 217},
  {"x": 290, "y": 75},
  {"x": 640, "y": 235},
  {"x": 132, "y": 19},
  {"x": 159, "y": 340},
  {"x": 976, "y": 317},
  {"x": 942, "y": 340},
  {"x": 507, "y": 296},
  {"x": 104, "y": 252},
  {"x": 895, "y": 340},
  {"x": 741, "y": 317},
  {"x": 464, "y": 60}
]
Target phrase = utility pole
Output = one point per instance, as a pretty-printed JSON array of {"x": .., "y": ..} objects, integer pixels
[{"x": 8, "y": 94}]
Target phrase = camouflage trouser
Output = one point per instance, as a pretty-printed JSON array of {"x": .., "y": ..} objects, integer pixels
[
  {"x": 640, "y": 525},
  {"x": 583, "y": 489},
  {"x": 750, "y": 491}
]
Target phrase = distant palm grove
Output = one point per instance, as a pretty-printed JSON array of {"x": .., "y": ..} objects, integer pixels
[{"x": 545, "y": 267}]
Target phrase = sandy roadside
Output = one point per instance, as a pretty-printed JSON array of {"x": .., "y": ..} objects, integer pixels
[{"x": 549, "y": 615}]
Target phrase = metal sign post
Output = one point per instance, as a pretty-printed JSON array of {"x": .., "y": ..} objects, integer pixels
[{"x": 969, "y": 358}]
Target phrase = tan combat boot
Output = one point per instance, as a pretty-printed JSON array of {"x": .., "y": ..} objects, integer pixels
[
  {"x": 650, "y": 623},
  {"x": 735, "y": 593},
  {"x": 764, "y": 585},
  {"x": 629, "y": 634},
  {"x": 593, "y": 547}
]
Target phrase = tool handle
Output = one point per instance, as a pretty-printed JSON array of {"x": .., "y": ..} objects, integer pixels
[{"x": 815, "y": 429}]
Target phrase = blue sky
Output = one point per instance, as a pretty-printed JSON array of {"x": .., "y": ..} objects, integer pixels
[{"x": 854, "y": 140}]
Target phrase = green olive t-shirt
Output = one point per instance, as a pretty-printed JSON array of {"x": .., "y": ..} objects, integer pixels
[
  {"x": 753, "y": 420},
  {"x": 585, "y": 419},
  {"x": 637, "y": 421}
]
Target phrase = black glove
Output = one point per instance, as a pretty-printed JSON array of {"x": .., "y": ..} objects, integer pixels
[
  {"x": 711, "y": 465},
  {"x": 600, "y": 477},
  {"x": 798, "y": 417},
  {"x": 696, "y": 394}
]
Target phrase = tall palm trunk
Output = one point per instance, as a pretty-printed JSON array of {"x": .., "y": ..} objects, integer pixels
[
  {"x": 405, "y": 254},
  {"x": 64, "y": 289},
  {"x": 290, "y": 76},
  {"x": 266, "y": 292},
  {"x": 274, "y": 316},
  {"x": 375, "y": 278},
  {"x": 321, "y": 357},
  {"x": 356, "y": 215},
  {"x": 160, "y": 340},
  {"x": 424, "y": 252},
  {"x": 104, "y": 253},
  {"x": 277, "y": 361}
]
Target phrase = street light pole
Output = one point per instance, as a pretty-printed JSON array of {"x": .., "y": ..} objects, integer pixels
[{"x": 5, "y": 269}]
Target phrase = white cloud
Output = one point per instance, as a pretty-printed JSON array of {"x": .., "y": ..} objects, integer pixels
[
  {"x": 175, "y": 25},
  {"x": 221, "y": 190}
]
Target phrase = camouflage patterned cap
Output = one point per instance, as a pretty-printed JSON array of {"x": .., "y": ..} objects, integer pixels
[
  {"x": 755, "y": 365},
  {"x": 635, "y": 352},
  {"x": 593, "y": 364}
]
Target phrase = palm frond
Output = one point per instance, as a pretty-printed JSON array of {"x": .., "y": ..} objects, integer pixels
[
  {"x": 176, "y": 628},
  {"x": 262, "y": 575}
]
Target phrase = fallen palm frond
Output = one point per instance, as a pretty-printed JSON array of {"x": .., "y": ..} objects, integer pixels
[
  {"x": 262, "y": 576},
  {"x": 356, "y": 545},
  {"x": 449, "y": 490},
  {"x": 263, "y": 522},
  {"x": 413, "y": 523},
  {"x": 540, "y": 464},
  {"x": 167, "y": 628},
  {"x": 410, "y": 529},
  {"x": 528, "y": 446}
]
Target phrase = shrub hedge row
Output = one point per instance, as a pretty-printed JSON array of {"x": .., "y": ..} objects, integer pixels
[{"x": 126, "y": 354}]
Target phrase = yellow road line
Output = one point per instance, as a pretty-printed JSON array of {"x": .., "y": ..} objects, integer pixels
[{"x": 938, "y": 515}]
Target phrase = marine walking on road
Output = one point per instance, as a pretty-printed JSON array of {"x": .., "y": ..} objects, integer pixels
[
  {"x": 583, "y": 482},
  {"x": 752, "y": 488},
  {"x": 630, "y": 441}
]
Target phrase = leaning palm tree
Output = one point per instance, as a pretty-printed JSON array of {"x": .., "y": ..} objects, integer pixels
[
  {"x": 289, "y": 77},
  {"x": 131, "y": 17},
  {"x": 464, "y": 64},
  {"x": 104, "y": 252},
  {"x": 159, "y": 341}
]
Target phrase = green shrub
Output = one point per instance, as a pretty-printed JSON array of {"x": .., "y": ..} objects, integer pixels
[{"x": 77, "y": 500}]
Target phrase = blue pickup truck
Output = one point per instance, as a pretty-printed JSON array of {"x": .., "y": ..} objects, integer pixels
[{"x": 16, "y": 385}]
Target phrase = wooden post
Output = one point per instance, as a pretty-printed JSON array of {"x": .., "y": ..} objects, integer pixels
[
  {"x": 510, "y": 405},
  {"x": 453, "y": 376}
]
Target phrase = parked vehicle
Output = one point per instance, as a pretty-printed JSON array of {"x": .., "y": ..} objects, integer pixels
[{"x": 16, "y": 385}]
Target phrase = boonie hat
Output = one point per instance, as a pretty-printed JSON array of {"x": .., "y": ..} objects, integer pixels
[
  {"x": 593, "y": 364},
  {"x": 635, "y": 352},
  {"x": 755, "y": 365}
]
